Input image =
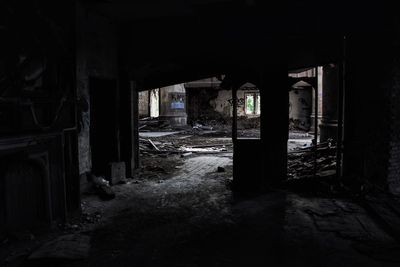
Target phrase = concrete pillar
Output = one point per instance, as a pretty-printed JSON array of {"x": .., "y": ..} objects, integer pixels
[
  {"x": 274, "y": 124},
  {"x": 154, "y": 102},
  {"x": 300, "y": 105},
  {"x": 317, "y": 74},
  {"x": 370, "y": 87},
  {"x": 129, "y": 125},
  {"x": 173, "y": 104},
  {"x": 330, "y": 87}
]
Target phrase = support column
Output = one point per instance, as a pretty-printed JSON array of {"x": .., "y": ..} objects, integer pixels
[
  {"x": 234, "y": 114},
  {"x": 368, "y": 119},
  {"x": 173, "y": 104},
  {"x": 316, "y": 81},
  {"x": 330, "y": 85},
  {"x": 129, "y": 126},
  {"x": 274, "y": 124}
]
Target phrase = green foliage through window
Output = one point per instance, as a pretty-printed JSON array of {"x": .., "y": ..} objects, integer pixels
[
  {"x": 253, "y": 103},
  {"x": 249, "y": 104}
]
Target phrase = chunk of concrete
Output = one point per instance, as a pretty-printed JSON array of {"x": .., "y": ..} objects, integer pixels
[{"x": 117, "y": 172}]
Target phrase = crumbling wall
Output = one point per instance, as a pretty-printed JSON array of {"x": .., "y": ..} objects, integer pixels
[
  {"x": 223, "y": 103},
  {"x": 96, "y": 57},
  {"x": 300, "y": 108},
  {"x": 199, "y": 107},
  {"x": 212, "y": 104}
]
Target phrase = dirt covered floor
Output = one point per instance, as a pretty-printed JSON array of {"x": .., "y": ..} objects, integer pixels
[{"x": 179, "y": 210}]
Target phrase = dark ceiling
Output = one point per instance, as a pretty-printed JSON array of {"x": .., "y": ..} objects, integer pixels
[{"x": 181, "y": 40}]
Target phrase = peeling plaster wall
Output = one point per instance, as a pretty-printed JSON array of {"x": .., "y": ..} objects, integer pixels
[
  {"x": 223, "y": 104},
  {"x": 96, "y": 57},
  {"x": 206, "y": 104},
  {"x": 300, "y": 107}
]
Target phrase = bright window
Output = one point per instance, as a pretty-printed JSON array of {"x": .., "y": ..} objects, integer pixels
[{"x": 252, "y": 103}]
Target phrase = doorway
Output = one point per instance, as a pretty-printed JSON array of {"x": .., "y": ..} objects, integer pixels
[{"x": 314, "y": 122}]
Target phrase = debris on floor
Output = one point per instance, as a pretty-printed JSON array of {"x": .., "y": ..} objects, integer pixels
[
  {"x": 176, "y": 207},
  {"x": 186, "y": 154},
  {"x": 100, "y": 186},
  {"x": 161, "y": 155},
  {"x": 220, "y": 169},
  {"x": 175, "y": 144},
  {"x": 153, "y": 124},
  {"x": 202, "y": 127},
  {"x": 301, "y": 162}
]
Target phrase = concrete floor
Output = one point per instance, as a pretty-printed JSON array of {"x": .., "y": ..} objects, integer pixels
[
  {"x": 192, "y": 218},
  {"x": 187, "y": 215}
]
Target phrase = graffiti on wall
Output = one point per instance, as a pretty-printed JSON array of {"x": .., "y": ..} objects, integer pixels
[
  {"x": 177, "y": 100},
  {"x": 300, "y": 108},
  {"x": 239, "y": 102}
]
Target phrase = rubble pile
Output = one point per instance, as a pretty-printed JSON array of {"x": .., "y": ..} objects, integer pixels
[
  {"x": 301, "y": 162},
  {"x": 163, "y": 155},
  {"x": 153, "y": 124},
  {"x": 181, "y": 145},
  {"x": 98, "y": 185}
]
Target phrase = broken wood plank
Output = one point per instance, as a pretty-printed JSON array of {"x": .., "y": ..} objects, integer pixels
[
  {"x": 186, "y": 154},
  {"x": 211, "y": 145},
  {"x": 153, "y": 145},
  {"x": 145, "y": 119},
  {"x": 184, "y": 137}
]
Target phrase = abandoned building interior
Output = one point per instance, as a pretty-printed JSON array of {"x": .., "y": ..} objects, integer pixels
[{"x": 199, "y": 133}]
